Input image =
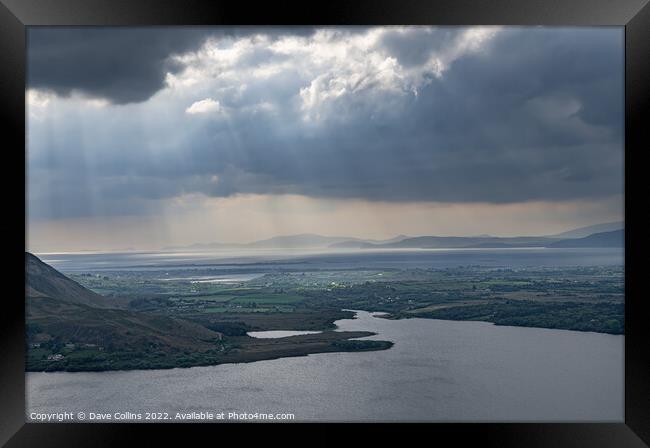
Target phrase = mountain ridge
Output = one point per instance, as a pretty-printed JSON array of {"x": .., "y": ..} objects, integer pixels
[
  {"x": 313, "y": 241},
  {"x": 42, "y": 280},
  {"x": 582, "y": 232},
  {"x": 296, "y": 241},
  {"x": 614, "y": 238}
]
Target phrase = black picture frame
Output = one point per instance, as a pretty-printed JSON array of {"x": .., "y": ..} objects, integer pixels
[{"x": 16, "y": 15}]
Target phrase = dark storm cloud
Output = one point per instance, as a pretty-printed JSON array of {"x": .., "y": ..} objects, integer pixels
[
  {"x": 497, "y": 127},
  {"x": 535, "y": 115},
  {"x": 123, "y": 65}
]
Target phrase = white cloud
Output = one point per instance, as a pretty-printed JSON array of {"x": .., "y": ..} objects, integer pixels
[
  {"x": 324, "y": 68},
  {"x": 37, "y": 102},
  {"x": 205, "y": 106}
]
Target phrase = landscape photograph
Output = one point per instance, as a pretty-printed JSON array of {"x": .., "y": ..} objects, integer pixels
[{"x": 325, "y": 224}]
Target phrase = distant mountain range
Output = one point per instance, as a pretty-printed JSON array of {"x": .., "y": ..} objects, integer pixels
[
  {"x": 603, "y": 239},
  {"x": 582, "y": 232},
  {"x": 306, "y": 240},
  {"x": 356, "y": 243},
  {"x": 301, "y": 241},
  {"x": 615, "y": 238},
  {"x": 451, "y": 242},
  {"x": 313, "y": 241}
]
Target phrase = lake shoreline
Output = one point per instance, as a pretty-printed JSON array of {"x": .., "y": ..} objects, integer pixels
[
  {"x": 326, "y": 340},
  {"x": 437, "y": 370},
  {"x": 254, "y": 350}
]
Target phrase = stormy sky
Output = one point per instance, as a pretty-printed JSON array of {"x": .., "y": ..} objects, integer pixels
[{"x": 146, "y": 137}]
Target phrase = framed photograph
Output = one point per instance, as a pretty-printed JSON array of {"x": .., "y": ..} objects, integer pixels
[{"x": 372, "y": 212}]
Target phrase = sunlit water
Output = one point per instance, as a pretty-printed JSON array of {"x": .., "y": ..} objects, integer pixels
[
  {"x": 276, "y": 334},
  {"x": 436, "y": 371},
  {"x": 262, "y": 261},
  {"x": 232, "y": 278}
]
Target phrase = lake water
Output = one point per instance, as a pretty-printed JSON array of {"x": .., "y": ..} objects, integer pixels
[{"x": 436, "y": 371}]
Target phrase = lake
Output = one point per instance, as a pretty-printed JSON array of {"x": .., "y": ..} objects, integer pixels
[{"x": 436, "y": 371}]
